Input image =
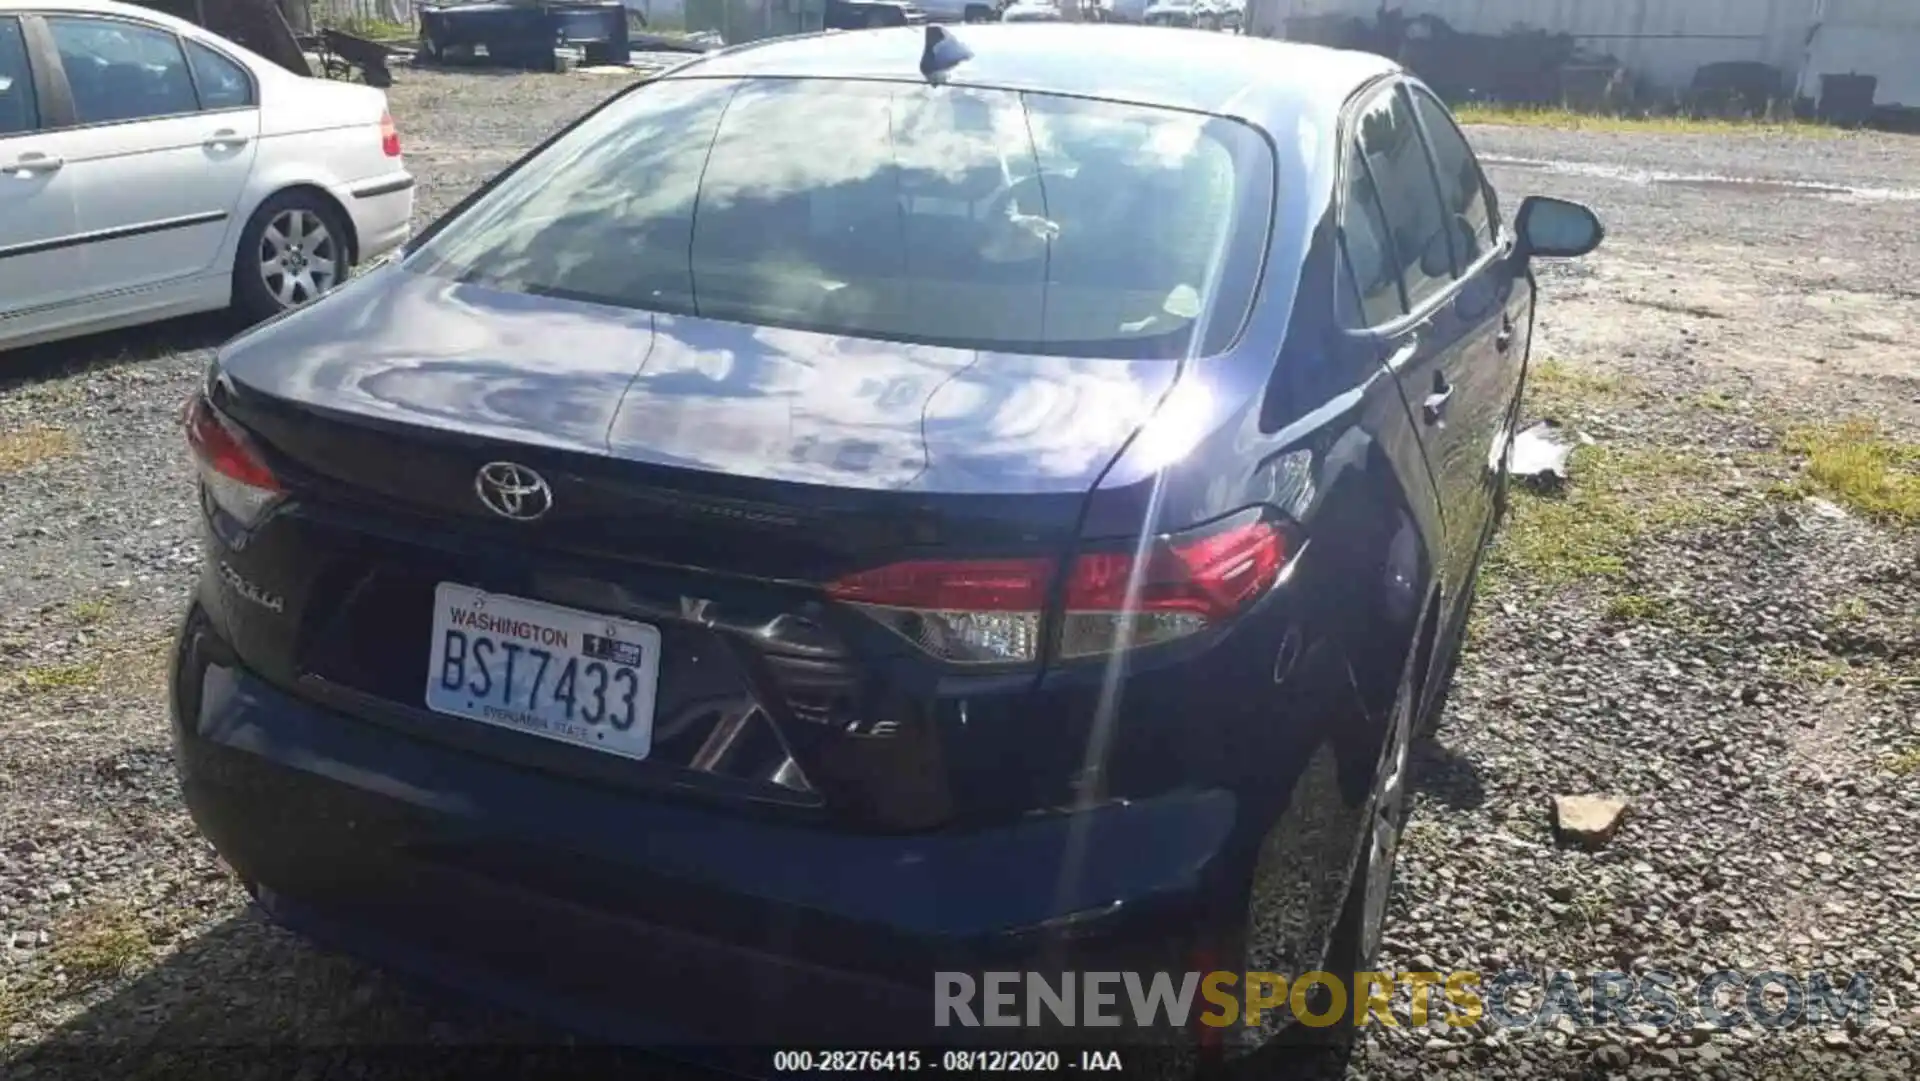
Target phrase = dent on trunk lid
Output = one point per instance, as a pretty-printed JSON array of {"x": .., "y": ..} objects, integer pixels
[
  {"x": 861, "y": 413},
  {"x": 749, "y": 402},
  {"x": 408, "y": 348}
]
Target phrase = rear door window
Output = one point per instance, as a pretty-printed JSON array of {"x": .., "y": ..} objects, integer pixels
[
  {"x": 940, "y": 215},
  {"x": 1464, "y": 192},
  {"x": 1366, "y": 249},
  {"x": 19, "y": 109},
  {"x": 1409, "y": 197},
  {"x": 223, "y": 84}
]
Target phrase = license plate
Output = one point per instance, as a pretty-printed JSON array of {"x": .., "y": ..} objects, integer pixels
[{"x": 562, "y": 673}]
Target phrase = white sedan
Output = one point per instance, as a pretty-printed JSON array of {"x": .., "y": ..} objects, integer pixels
[
  {"x": 149, "y": 169},
  {"x": 1031, "y": 11}
]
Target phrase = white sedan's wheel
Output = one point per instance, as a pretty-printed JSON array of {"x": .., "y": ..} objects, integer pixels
[
  {"x": 299, "y": 257},
  {"x": 295, "y": 248}
]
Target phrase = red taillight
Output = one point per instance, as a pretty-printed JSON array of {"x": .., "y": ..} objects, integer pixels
[
  {"x": 988, "y": 585},
  {"x": 389, "y": 136},
  {"x": 233, "y": 471},
  {"x": 990, "y": 611},
  {"x": 1210, "y": 575}
]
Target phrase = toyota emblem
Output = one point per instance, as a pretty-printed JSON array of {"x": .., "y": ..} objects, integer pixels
[{"x": 513, "y": 491}]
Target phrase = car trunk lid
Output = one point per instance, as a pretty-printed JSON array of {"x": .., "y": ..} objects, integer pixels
[{"x": 706, "y": 478}]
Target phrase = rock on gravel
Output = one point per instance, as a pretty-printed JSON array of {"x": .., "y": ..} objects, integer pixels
[{"x": 1588, "y": 820}]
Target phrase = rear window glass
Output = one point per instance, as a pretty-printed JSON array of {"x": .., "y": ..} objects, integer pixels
[{"x": 940, "y": 215}]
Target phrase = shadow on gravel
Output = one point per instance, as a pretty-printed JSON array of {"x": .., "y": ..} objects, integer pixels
[
  {"x": 482, "y": 67},
  {"x": 115, "y": 348},
  {"x": 1446, "y": 777},
  {"x": 245, "y": 1001}
]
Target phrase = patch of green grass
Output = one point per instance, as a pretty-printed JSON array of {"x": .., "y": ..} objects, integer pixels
[
  {"x": 1851, "y": 610},
  {"x": 1816, "y": 671},
  {"x": 1788, "y": 491},
  {"x": 1718, "y": 401},
  {"x": 31, "y": 446},
  {"x": 100, "y": 943},
  {"x": 1593, "y": 907},
  {"x": 1614, "y": 497},
  {"x": 1561, "y": 390},
  {"x": 1639, "y": 608},
  {"x": 1861, "y": 467},
  {"x": 1871, "y": 674},
  {"x": 58, "y": 677},
  {"x": 1905, "y": 764},
  {"x": 90, "y": 612},
  {"x": 1570, "y": 120}
]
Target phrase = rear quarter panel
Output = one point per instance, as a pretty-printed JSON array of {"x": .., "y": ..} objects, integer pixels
[
  {"x": 320, "y": 134},
  {"x": 1290, "y": 706}
]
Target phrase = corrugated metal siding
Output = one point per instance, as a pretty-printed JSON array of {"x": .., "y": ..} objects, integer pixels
[
  {"x": 1884, "y": 53},
  {"x": 1662, "y": 41},
  {"x": 1881, "y": 14},
  {"x": 1880, "y": 38}
]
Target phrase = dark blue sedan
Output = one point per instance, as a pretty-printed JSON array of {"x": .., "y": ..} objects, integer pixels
[{"x": 866, "y": 506}]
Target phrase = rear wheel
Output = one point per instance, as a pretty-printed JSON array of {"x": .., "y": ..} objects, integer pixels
[
  {"x": 292, "y": 251},
  {"x": 1304, "y": 1051},
  {"x": 1356, "y": 941},
  {"x": 1354, "y": 946}
]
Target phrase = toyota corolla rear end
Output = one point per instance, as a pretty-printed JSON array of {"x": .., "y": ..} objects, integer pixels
[{"x": 674, "y": 590}]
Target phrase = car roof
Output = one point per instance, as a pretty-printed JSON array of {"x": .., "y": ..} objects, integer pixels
[
  {"x": 1267, "y": 82},
  {"x": 104, "y": 7}
]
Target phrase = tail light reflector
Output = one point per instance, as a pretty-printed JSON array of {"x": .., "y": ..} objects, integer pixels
[
  {"x": 389, "y": 136},
  {"x": 965, "y": 611},
  {"x": 991, "y": 611},
  {"x": 1178, "y": 585},
  {"x": 235, "y": 475}
]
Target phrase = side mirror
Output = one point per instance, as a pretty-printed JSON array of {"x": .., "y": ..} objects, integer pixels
[{"x": 1557, "y": 228}]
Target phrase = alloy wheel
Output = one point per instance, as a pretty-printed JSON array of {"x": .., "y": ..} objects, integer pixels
[
  {"x": 299, "y": 257},
  {"x": 1384, "y": 831}
]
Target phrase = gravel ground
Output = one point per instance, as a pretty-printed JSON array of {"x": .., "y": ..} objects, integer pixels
[{"x": 1686, "y": 629}]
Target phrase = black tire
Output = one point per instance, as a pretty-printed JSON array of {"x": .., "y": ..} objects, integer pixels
[
  {"x": 321, "y": 263},
  {"x": 1300, "y": 1051},
  {"x": 1354, "y": 946}
]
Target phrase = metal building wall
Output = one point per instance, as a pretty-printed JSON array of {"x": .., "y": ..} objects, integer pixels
[
  {"x": 1897, "y": 15},
  {"x": 1880, "y": 38},
  {"x": 1662, "y": 41}
]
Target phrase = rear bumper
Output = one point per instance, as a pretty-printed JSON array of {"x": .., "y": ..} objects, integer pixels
[
  {"x": 642, "y": 920},
  {"x": 382, "y": 211}
]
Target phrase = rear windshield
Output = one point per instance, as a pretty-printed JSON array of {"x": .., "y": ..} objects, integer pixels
[{"x": 942, "y": 215}]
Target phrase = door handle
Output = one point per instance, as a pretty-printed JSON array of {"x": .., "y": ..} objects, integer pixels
[
  {"x": 30, "y": 165},
  {"x": 1434, "y": 408},
  {"x": 1411, "y": 341},
  {"x": 224, "y": 138},
  {"x": 1503, "y": 341}
]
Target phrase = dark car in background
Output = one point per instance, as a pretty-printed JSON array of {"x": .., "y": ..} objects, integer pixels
[
  {"x": 1176, "y": 13},
  {"x": 857, "y": 507},
  {"x": 525, "y": 33},
  {"x": 871, "y": 14}
]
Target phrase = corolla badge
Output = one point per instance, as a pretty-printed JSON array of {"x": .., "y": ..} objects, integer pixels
[
  {"x": 511, "y": 490},
  {"x": 246, "y": 590}
]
